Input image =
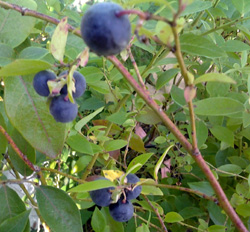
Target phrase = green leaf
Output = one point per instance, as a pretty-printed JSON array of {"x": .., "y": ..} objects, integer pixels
[
  {"x": 165, "y": 77},
  {"x": 17, "y": 223},
  {"x": 190, "y": 212},
  {"x": 92, "y": 74},
  {"x": 59, "y": 39},
  {"x": 218, "y": 106},
  {"x": 98, "y": 221},
  {"x": 118, "y": 117},
  {"x": 23, "y": 67},
  {"x": 58, "y": 209},
  {"x": 136, "y": 143},
  {"x": 33, "y": 53},
  {"x": 243, "y": 6},
  {"x": 151, "y": 190},
  {"x": 3, "y": 140},
  {"x": 243, "y": 210},
  {"x": 216, "y": 214},
  {"x": 15, "y": 28},
  {"x": 6, "y": 54},
  {"x": 246, "y": 133},
  {"x": 217, "y": 228},
  {"x": 11, "y": 204},
  {"x": 214, "y": 77},
  {"x": 142, "y": 228},
  {"x": 177, "y": 95},
  {"x": 114, "y": 225},
  {"x": 201, "y": 131},
  {"x": 114, "y": 144},
  {"x": 197, "y": 6},
  {"x": 25, "y": 147},
  {"x": 100, "y": 86},
  {"x": 246, "y": 119},
  {"x": 198, "y": 45},
  {"x": 159, "y": 162},
  {"x": 92, "y": 185},
  {"x": 79, "y": 143},
  {"x": 30, "y": 115},
  {"x": 223, "y": 134},
  {"x": 230, "y": 168},
  {"x": 235, "y": 46},
  {"x": 173, "y": 217},
  {"x": 82, "y": 163},
  {"x": 203, "y": 187},
  {"x": 141, "y": 159},
  {"x": 148, "y": 116},
  {"x": 145, "y": 205},
  {"x": 80, "y": 124}
]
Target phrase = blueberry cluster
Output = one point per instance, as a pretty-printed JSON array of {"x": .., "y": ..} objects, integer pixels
[
  {"x": 61, "y": 108},
  {"x": 104, "y": 30},
  {"x": 123, "y": 209}
]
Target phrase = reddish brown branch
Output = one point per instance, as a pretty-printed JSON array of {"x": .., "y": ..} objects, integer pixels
[
  {"x": 18, "y": 151},
  {"x": 225, "y": 204},
  {"x": 157, "y": 109},
  {"x": 27, "y": 12}
]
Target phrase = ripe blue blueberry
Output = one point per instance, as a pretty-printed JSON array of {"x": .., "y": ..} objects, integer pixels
[
  {"x": 103, "y": 31},
  {"x": 80, "y": 84},
  {"x": 40, "y": 82},
  {"x": 62, "y": 109},
  {"x": 121, "y": 211},
  {"x": 101, "y": 197},
  {"x": 132, "y": 194}
]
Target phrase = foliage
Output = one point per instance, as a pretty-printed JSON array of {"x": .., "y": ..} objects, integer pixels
[{"x": 203, "y": 89}]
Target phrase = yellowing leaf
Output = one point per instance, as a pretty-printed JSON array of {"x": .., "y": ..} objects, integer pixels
[
  {"x": 158, "y": 165},
  {"x": 70, "y": 83},
  {"x": 59, "y": 39},
  {"x": 83, "y": 57},
  {"x": 112, "y": 174}
]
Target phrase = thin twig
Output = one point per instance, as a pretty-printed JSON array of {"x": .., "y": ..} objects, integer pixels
[
  {"x": 164, "y": 228},
  {"x": 136, "y": 68},
  {"x": 22, "y": 186},
  {"x": 144, "y": 220}
]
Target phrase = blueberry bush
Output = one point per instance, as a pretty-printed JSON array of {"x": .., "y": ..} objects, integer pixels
[{"x": 125, "y": 116}]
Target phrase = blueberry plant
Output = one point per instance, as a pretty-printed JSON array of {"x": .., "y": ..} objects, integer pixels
[{"x": 125, "y": 116}]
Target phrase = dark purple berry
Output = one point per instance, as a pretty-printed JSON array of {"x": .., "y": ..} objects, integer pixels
[
  {"x": 103, "y": 31},
  {"x": 132, "y": 194},
  {"x": 80, "y": 84},
  {"x": 40, "y": 82},
  {"x": 62, "y": 109},
  {"x": 101, "y": 197},
  {"x": 121, "y": 211}
]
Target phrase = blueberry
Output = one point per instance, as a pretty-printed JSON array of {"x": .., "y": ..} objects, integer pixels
[
  {"x": 104, "y": 32},
  {"x": 133, "y": 179},
  {"x": 121, "y": 211},
  {"x": 80, "y": 84},
  {"x": 62, "y": 109},
  {"x": 40, "y": 82},
  {"x": 101, "y": 197}
]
